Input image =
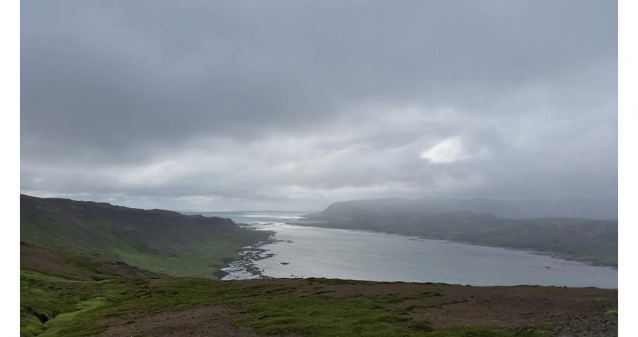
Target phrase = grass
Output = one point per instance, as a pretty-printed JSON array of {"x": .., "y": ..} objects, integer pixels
[
  {"x": 44, "y": 298},
  {"x": 199, "y": 260},
  {"x": 55, "y": 306},
  {"x": 201, "y": 257},
  {"x": 61, "y": 322}
]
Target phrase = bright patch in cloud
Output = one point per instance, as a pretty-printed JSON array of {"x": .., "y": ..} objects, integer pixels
[{"x": 447, "y": 151}]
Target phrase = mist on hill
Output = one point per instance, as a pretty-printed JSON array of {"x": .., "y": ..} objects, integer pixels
[{"x": 515, "y": 209}]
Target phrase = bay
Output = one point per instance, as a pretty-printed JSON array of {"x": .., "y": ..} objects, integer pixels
[{"x": 301, "y": 252}]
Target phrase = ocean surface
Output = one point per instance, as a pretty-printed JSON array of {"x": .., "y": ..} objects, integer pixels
[{"x": 300, "y": 251}]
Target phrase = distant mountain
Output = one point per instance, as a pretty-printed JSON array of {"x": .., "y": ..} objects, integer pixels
[
  {"x": 514, "y": 209},
  {"x": 590, "y": 240},
  {"x": 156, "y": 240}
]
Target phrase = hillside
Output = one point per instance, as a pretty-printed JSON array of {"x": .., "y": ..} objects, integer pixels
[
  {"x": 513, "y": 209},
  {"x": 580, "y": 239},
  {"x": 156, "y": 240}
]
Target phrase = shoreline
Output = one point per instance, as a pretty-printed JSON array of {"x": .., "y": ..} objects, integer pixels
[
  {"x": 247, "y": 256},
  {"x": 247, "y": 268}
]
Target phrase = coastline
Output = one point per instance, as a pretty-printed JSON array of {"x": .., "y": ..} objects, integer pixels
[
  {"x": 556, "y": 255},
  {"x": 247, "y": 256}
]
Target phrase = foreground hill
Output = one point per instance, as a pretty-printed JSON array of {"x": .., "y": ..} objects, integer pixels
[
  {"x": 580, "y": 239},
  {"x": 513, "y": 209},
  {"x": 156, "y": 240}
]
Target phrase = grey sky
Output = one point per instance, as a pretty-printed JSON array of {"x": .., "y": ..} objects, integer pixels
[{"x": 212, "y": 105}]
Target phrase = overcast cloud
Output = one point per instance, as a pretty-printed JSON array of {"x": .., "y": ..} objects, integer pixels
[{"x": 292, "y": 105}]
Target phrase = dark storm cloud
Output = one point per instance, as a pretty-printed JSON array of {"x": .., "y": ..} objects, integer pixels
[{"x": 199, "y": 104}]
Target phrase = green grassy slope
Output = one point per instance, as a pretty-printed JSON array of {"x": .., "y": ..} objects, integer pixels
[
  {"x": 581, "y": 239},
  {"x": 160, "y": 241}
]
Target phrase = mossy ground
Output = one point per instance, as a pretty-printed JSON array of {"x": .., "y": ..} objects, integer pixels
[{"x": 57, "y": 306}]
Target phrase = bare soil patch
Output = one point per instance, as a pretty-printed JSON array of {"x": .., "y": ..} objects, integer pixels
[{"x": 214, "y": 321}]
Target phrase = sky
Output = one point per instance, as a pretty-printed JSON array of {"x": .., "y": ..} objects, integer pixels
[{"x": 289, "y": 105}]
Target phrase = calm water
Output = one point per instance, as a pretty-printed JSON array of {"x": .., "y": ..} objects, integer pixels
[{"x": 346, "y": 254}]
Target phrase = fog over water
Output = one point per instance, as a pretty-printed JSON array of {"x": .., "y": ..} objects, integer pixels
[{"x": 335, "y": 253}]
